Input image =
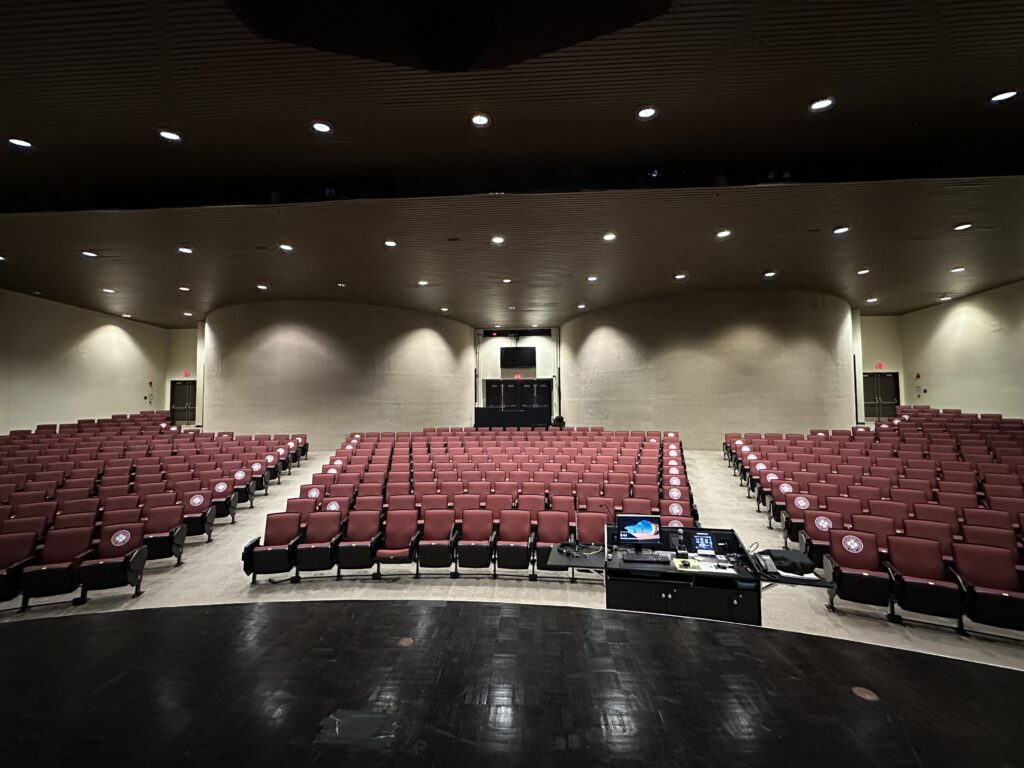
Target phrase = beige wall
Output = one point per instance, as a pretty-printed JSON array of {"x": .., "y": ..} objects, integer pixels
[
  {"x": 881, "y": 342},
  {"x": 328, "y": 368},
  {"x": 969, "y": 352},
  {"x": 711, "y": 363},
  {"x": 59, "y": 363}
]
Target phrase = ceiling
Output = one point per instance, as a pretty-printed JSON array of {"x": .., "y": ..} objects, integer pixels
[
  {"x": 901, "y": 230},
  {"x": 565, "y": 158}
]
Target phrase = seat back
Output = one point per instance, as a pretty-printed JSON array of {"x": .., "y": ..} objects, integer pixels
[
  {"x": 399, "y": 528},
  {"x": 590, "y": 527},
  {"x": 917, "y": 558},
  {"x": 119, "y": 540},
  {"x": 122, "y": 516},
  {"x": 65, "y": 544},
  {"x": 990, "y": 537},
  {"x": 844, "y": 506},
  {"x": 321, "y": 527},
  {"x": 818, "y": 525},
  {"x": 438, "y": 523},
  {"x": 477, "y": 524},
  {"x": 854, "y": 550},
  {"x": 16, "y": 547},
  {"x": 280, "y": 528},
  {"x": 47, "y": 509},
  {"x": 989, "y": 567},
  {"x": 196, "y": 502},
  {"x": 302, "y": 507},
  {"x": 80, "y": 520},
  {"x": 552, "y": 527},
  {"x": 164, "y": 519},
  {"x": 897, "y": 511},
  {"x": 514, "y": 525},
  {"x": 992, "y": 518},
  {"x": 363, "y": 525}
]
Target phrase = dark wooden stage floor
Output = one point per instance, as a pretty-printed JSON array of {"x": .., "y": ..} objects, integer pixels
[{"x": 469, "y": 684}]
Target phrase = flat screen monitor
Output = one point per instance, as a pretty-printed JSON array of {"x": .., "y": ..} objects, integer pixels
[
  {"x": 703, "y": 543},
  {"x": 518, "y": 357},
  {"x": 639, "y": 530}
]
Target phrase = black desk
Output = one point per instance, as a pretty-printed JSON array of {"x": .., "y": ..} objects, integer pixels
[
  {"x": 592, "y": 558},
  {"x": 539, "y": 416},
  {"x": 662, "y": 588}
]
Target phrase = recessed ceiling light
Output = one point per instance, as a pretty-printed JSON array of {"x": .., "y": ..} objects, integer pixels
[
  {"x": 609, "y": 236},
  {"x": 3, "y": 258},
  {"x": 322, "y": 126},
  {"x": 679, "y": 276},
  {"x": 90, "y": 254},
  {"x": 947, "y": 297},
  {"x": 287, "y": 248},
  {"x": 957, "y": 270},
  {"x": 390, "y": 244},
  {"x": 22, "y": 143},
  {"x": 497, "y": 240},
  {"x": 533, "y": 325},
  {"x": 497, "y": 326},
  {"x": 480, "y": 120},
  {"x": 184, "y": 288},
  {"x": 1004, "y": 96},
  {"x": 262, "y": 287},
  {"x": 581, "y": 306},
  {"x": 591, "y": 278},
  {"x": 511, "y": 307},
  {"x": 187, "y": 314},
  {"x": 723, "y": 233},
  {"x": 423, "y": 283},
  {"x": 341, "y": 285},
  {"x": 770, "y": 274},
  {"x": 823, "y": 105},
  {"x": 840, "y": 230},
  {"x": 184, "y": 249},
  {"x": 863, "y": 271},
  {"x": 871, "y": 300},
  {"x": 444, "y": 309},
  {"x": 646, "y": 113},
  {"x": 109, "y": 290},
  {"x": 126, "y": 316},
  {"x": 170, "y": 135},
  {"x": 506, "y": 280},
  {"x": 962, "y": 227}
]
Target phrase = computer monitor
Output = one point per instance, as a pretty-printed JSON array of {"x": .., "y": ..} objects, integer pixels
[
  {"x": 703, "y": 543},
  {"x": 639, "y": 531}
]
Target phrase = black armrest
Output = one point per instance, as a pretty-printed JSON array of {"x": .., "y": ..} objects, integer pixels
[
  {"x": 247, "y": 554},
  {"x": 136, "y": 559},
  {"x": 453, "y": 536},
  {"x": 376, "y": 540},
  {"x": 965, "y": 586},
  {"x": 294, "y": 543},
  {"x": 178, "y": 535},
  {"x": 415, "y": 539},
  {"x": 77, "y": 559},
  {"x": 334, "y": 541},
  {"x": 831, "y": 568},
  {"x": 494, "y": 539},
  {"x": 532, "y": 542},
  {"x": 894, "y": 574}
]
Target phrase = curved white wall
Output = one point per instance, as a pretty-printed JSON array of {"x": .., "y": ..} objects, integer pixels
[
  {"x": 327, "y": 368},
  {"x": 708, "y": 363}
]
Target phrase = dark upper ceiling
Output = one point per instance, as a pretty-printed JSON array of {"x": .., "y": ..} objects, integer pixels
[{"x": 91, "y": 84}]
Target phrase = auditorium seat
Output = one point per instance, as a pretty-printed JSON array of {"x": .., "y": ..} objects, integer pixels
[
  {"x": 401, "y": 534},
  {"x": 358, "y": 548},
  {"x": 475, "y": 547},
  {"x": 854, "y": 567},
  {"x": 199, "y": 512},
  {"x": 846, "y": 507},
  {"x": 244, "y": 486},
  {"x": 165, "y": 532},
  {"x": 460, "y": 504},
  {"x": 17, "y": 550},
  {"x": 34, "y": 525},
  {"x": 922, "y": 580},
  {"x": 994, "y": 537},
  {"x": 815, "y": 537},
  {"x": 514, "y": 545},
  {"x": 992, "y": 518},
  {"x": 225, "y": 500},
  {"x": 992, "y": 582},
  {"x": 797, "y": 506},
  {"x": 897, "y": 511},
  {"x": 533, "y": 504},
  {"x": 436, "y": 548},
  {"x": 56, "y": 572},
  {"x": 882, "y": 527},
  {"x": 80, "y": 520},
  {"x": 275, "y": 553},
  {"x": 119, "y": 560},
  {"x": 939, "y": 513},
  {"x": 318, "y": 549},
  {"x": 552, "y": 530},
  {"x": 122, "y": 516}
]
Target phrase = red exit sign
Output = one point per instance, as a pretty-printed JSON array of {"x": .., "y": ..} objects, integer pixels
[{"x": 186, "y": 374}]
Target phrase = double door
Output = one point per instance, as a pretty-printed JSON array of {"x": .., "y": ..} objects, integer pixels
[{"x": 517, "y": 393}]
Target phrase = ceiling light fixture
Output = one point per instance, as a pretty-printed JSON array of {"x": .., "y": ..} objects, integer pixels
[
  {"x": 506, "y": 280},
  {"x": 184, "y": 249},
  {"x": 591, "y": 278},
  {"x": 390, "y": 244},
  {"x": 958, "y": 270},
  {"x": 184, "y": 288},
  {"x": 770, "y": 274},
  {"x": 497, "y": 326},
  {"x": 322, "y": 126},
  {"x": 1004, "y": 96},
  {"x": 444, "y": 309},
  {"x": 422, "y": 283},
  {"x": 187, "y": 314},
  {"x": 511, "y": 307},
  {"x": 533, "y": 325},
  {"x": 646, "y": 113},
  {"x": 126, "y": 316},
  {"x": 823, "y": 105},
  {"x": 840, "y": 230},
  {"x": 90, "y": 254},
  {"x": 20, "y": 143},
  {"x": 109, "y": 290},
  {"x": 341, "y": 285},
  {"x": 262, "y": 287},
  {"x": 480, "y": 120},
  {"x": 497, "y": 240},
  {"x": 170, "y": 136},
  {"x": 871, "y": 300},
  {"x": 863, "y": 271},
  {"x": 962, "y": 227},
  {"x": 581, "y": 306},
  {"x": 609, "y": 236},
  {"x": 723, "y": 233},
  {"x": 679, "y": 276},
  {"x": 947, "y": 297},
  {"x": 286, "y": 248}
]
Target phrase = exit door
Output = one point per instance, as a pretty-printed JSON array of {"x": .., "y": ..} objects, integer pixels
[
  {"x": 183, "y": 402},
  {"x": 881, "y": 395}
]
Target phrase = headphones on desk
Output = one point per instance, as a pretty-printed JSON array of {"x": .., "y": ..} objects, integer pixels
[{"x": 575, "y": 550}]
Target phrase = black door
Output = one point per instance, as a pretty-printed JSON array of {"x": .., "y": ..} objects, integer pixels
[
  {"x": 183, "y": 401},
  {"x": 543, "y": 391},
  {"x": 881, "y": 395},
  {"x": 510, "y": 394},
  {"x": 492, "y": 393}
]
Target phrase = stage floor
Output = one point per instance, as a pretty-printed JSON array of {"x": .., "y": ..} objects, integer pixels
[{"x": 401, "y": 683}]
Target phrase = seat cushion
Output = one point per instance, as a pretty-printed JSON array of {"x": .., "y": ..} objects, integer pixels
[
  {"x": 1000, "y": 592},
  {"x": 385, "y": 554},
  {"x": 931, "y": 582}
]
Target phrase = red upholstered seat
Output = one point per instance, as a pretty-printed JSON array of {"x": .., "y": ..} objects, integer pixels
[
  {"x": 17, "y": 550},
  {"x": 119, "y": 560},
  {"x": 854, "y": 566},
  {"x": 57, "y": 571},
  {"x": 401, "y": 533},
  {"x": 990, "y": 576},
  {"x": 515, "y": 540}
]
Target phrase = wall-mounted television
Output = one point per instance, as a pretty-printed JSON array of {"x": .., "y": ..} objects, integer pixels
[{"x": 518, "y": 357}]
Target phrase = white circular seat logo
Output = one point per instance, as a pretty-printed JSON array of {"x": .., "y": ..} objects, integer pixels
[
  {"x": 760, "y": 465},
  {"x": 313, "y": 493},
  {"x": 675, "y": 509},
  {"x": 257, "y": 467},
  {"x": 752, "y": 456},
  {"x": 853, "y": 544},
  {"x": 737, "y": 442},
  {"x": 675, "y": 493},
  {"x": 197, "y": 500},
  {"x": 771, "y": 476},
  {"x": 801, "y": 502},
  {"x": 240, "y": 474},
  {"x": 280, "y": 451},
  {"x": 786, "y": 488},
  {"x": 338, "y": 462},
  {"x": 675, "y": 523},
  {"x": 120, "y": 538},
  {"x": 291, "y": 445},
  {"x": 673, "y": 470},
  {"x": 822, "y": 523},
  {"x": 332, "y": 470},
  {"x": 220, "y": 487},
  {"x": 349, "y": 447},
  {"x": 333, "y": 506},
  {"x": 675, "y": 481}
]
